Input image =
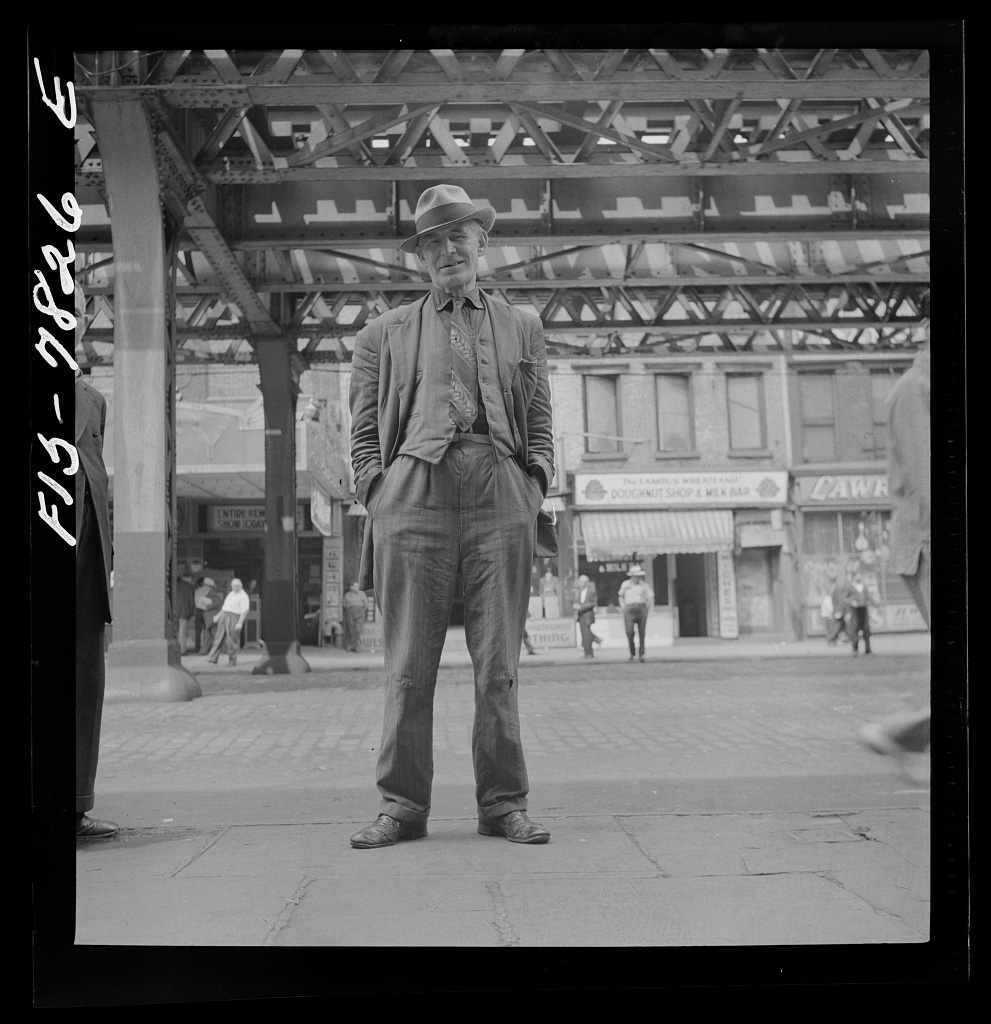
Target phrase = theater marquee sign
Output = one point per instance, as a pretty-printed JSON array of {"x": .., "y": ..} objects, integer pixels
[{"x": 719, "y": 489}]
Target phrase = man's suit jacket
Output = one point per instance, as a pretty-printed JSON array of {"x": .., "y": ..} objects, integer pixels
[
  {"x": 852, "y": 598},
  {"x": 91, "y": 419},
  {"x": 383, "y": 373},
  {"x": 908, "y": 467},
  {"x": 586, "y": 608}
]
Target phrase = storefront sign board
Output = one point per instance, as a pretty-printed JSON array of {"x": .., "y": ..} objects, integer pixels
[
  {"x": 855, "y": 489},
  {"x": 709, "y": 489}
]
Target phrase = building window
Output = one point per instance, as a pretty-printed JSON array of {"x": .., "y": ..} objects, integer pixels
[
  {"x": 882, "y": 381},
  {"x": 675, "y": 422},
  {"x": 818, "y": 417},
  {"x": 601, "y": 414},
  {"x": 745, "y": 401}
]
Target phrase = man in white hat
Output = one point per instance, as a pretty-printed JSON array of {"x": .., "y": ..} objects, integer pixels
[
  {"x": 636, "y": 599},
  {"x": 452, "y": 449}
]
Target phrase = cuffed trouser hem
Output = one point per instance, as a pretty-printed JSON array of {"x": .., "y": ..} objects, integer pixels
[
  {"x": 401, "y": 813},
  {"x": 85, "y": 803},
  {"x": 501, "y": 808}
]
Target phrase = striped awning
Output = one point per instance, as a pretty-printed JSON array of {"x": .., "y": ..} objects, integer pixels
[{"x": 621, "y": 534}]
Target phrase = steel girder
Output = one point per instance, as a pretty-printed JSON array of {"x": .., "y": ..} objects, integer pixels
[{"x": 738, "y": 199}]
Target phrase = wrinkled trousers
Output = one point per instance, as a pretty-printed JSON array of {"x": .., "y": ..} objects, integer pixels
[
  {"x": 635, "y": 618},
  {"x": 474, "y": 517},
  {"x": 90, "y": 664}
]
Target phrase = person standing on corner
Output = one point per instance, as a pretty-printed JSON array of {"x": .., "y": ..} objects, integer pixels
[
  {"x": 185, "y": 610},
  {"x": 584, "y": 606},
  {"x": 355, "y": 610},
  {"x": 857, "y": 600},
  {"x": 452, "y": 450},
  {"x": 907, "y": 733},
  {"x": 636, "y": 599},
  {"x": 233, "y": 612},
  {"x": 94, "y": 559}
]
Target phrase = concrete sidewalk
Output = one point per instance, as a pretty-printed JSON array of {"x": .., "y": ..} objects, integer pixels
[
  {"x": 321, "y": 659},
  {"x": 708, "y": 804}
]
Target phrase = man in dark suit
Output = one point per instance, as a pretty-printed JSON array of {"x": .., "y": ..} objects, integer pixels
[
  {"x": 584, "y": 606},
  {"x": 857, "y": 601},
  {"x": 452, "y": 450},
  {"x": 94, "y": 555}
]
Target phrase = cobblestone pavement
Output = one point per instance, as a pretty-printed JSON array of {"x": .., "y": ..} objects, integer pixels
[{"x": 786, "y": 718}]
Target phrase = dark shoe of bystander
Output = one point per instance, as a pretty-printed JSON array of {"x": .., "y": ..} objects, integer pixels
[{"x": 387, "y": 831}]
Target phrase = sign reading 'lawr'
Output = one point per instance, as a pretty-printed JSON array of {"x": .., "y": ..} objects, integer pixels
[{"x": 719, "y": 489}]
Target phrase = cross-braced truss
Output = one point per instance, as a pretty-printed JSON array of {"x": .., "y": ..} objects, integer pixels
[{"x": 646, "y": 199}]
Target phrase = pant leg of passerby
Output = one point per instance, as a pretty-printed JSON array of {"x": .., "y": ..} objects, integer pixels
[
  {"x": 182, "y": 635},
  {"x": 89, "y": 664},
  {"x": 585, "y": 627},
  {"x": 854, "y": 628},
  {"x": 233, "y": 636},
  {"x": 219, "y": 636},
  {"x": 629, "y": 622},
  {"x": 354, "y": 620},
  {"x": 197, "y": 629},
  {"x": 642, "y": 627}
]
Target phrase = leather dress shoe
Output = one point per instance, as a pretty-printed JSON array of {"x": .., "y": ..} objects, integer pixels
[
  {"x": 92, "y": 828},
  {"x": 515, "y": 826},
  {"x": 386, "y": 831}
]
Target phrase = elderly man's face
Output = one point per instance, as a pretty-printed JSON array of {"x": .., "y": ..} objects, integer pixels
[
  {"x": 451, "y": 255},
  {"x": 236, "y": 585}
]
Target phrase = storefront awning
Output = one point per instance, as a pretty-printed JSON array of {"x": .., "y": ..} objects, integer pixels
[{"x": 620, "y": 534}]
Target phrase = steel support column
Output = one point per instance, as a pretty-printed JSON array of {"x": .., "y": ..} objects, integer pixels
[
  {"x": 279, "y": 387},
  {"x": 143, "y": 661}
]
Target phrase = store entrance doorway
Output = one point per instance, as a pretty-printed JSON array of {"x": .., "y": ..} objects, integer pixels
[{"x": 689, "y": 591}]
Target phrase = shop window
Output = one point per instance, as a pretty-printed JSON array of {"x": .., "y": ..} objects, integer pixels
[
  {"x": 675, "y": 419},
  {"x": 842, "y": 541},
  {"x": 601, "y": 414},
  {"x": 818, "y": 417},
  {"x": 882, "y": 381},
  {"x": 745, "y": 405}
]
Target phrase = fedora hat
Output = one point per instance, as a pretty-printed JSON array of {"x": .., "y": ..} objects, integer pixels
[
  {"x": 442, "y": 205},
  {"x": 635, "y": 570}
]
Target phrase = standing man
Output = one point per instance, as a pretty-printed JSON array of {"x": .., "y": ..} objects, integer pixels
[
  {"x": 355, "y": 609},
  {"x": 94, "y": 558},
  {"x": 207, "y": 602},
  {"x": 452, "y": 449},
  {"x": 185, "y": 609},
  {"x": 233, "y": 612},
  {"x": 857, "y": 600},
  {"x": 636, "y": 599},
  {"x": 909, "y": 486},
  {"x": 584, "y": 606}
]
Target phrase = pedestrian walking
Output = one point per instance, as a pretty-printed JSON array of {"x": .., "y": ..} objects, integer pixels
[
  {"x": 584, "y": 607},
  {"x": 836, "y": 622},
  {"x": 208, "y": 602},
  {"x": 94, "y": 557},
  {"x": 355, "y": 610},
  {"x": 636, "y": 599},
  {"x": 907, "y": 733},
  {"x": 527, "y": 639},
  {"x": 857, "y": 602},
  {"x": 233, "y": 612},
  {"x": 453, "y": 452},
  {"x": 185, "y": 610}
]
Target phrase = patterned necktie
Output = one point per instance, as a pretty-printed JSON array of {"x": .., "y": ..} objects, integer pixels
[{"x": 464, "y": 371}]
